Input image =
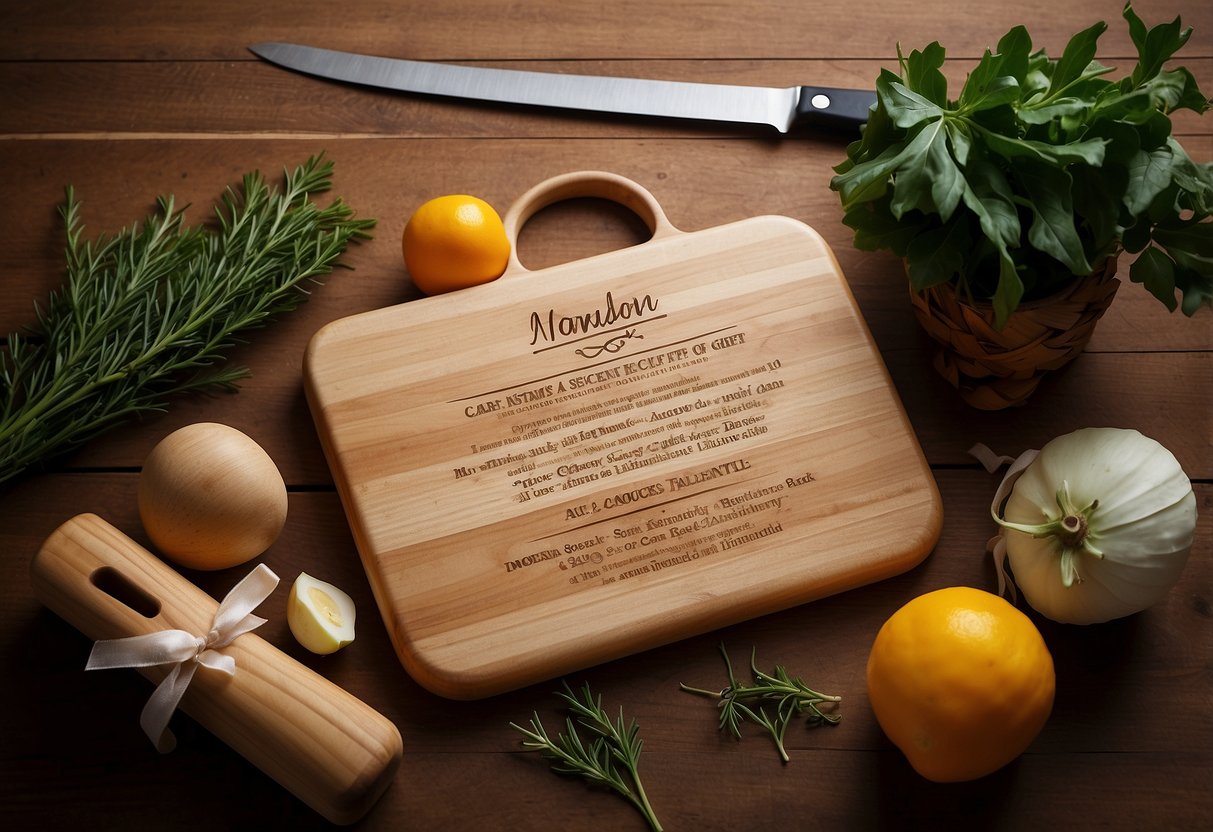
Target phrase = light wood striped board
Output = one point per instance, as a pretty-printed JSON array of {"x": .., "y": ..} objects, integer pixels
[{"x": 568, "y": 465}]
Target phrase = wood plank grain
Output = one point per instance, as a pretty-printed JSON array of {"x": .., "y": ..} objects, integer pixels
[
  {"x": 482, "y": 29},
  {"x": 1168, "y": 397},
  {"x": 514, "y": 791},
  {"x": 1153, "y": 667},
  {"x": 128, "y": 99}
]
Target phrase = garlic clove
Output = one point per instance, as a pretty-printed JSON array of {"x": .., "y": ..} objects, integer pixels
[{"x": 320, "y": 615}]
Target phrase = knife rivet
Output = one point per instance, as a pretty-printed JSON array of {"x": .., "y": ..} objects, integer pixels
[{"x": 820, "y": 101}]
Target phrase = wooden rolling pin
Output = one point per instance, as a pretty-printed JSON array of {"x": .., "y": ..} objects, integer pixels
[{"x": 330, "y": 749}]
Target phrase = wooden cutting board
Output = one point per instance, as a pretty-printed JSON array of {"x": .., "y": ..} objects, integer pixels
[{"x": 569, "y": 465}]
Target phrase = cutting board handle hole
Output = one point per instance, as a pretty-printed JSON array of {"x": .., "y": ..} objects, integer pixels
[
  {"x": 579, "y": 228},
  {"x": 116, "y": 585},
  {"x": 628, "y": 195}
]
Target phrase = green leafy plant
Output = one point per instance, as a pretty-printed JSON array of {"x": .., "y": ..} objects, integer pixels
[
  {"x": 1039, "y": 170},
  {"x": 787, "y": 697},
  {"x": 615, "y": 745},
  {"x": 152, "y": 310}
]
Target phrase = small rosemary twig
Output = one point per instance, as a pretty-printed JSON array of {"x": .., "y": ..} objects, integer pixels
[
  {"x": 615, "y": 743},
  {"x": 789, "y": 697}
]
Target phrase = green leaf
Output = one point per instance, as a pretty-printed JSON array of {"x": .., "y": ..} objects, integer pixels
[
  {"x": 1156, "y": 272},
  {"x": 938, "y": 255},
  {"x": 1197, "y": 288},
  {"x": 1137, "y": 29},
  {"x": 1149, "y": 176},
  {"x": 1175, "y": 90},
  {"x": 1077, "y": 57},
  {"x": 905, "y": 107},
  {"x": 877, "y": 135},
  {"x": 923, "y": 75},
  {"x": 1137, "y": 236},
  {"x": 1190, "y": 245},
  {"x": 876, "y": 228},
  {"x": 1015, "y": 50},
  {"x": 1163, "y": 93},
  {"x": 869, "y": 180},
  {"x": 1009, "y": 292},
  {"x": 930, "y": 180},
  {"x": 1058, "y": 108},
  {"x": 1096, "y": 195},
  {"x": 947, "y": 178},
  {"x": 1165, "y": 206},
  {"x": 1000, "y": 91},
  {"x": 959, "y": 140},
  {"x": 1053, "y": 230},
  {"x": 1036, "y": 82},
  {"x": 1123, "y": 140},
  {"x": 1090, "y": 151},
  {"x": 1154, "y": 46},
  {"x": 1196, "y": 180},
  {"x": 1190, "y": 97},
  {"x": 987, "y": 87},
  {"x": 1129, "y": 105},
  {"x": 989, "y": 197}
]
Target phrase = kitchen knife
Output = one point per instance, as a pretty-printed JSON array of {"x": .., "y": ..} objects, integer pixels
[{"x": 780, "y": 108}]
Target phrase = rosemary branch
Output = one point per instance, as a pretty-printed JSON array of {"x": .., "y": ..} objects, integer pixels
[
  {"x": 151, "y": 311},
  {"x": 614, "y": 743},
  {"x": 789, "y": 697}
]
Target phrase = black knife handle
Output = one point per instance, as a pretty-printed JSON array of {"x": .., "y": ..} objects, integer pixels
[{"x": 833, "y": 108}]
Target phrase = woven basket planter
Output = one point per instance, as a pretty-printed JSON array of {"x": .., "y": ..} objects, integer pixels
[{"x": 994, "y": 369}]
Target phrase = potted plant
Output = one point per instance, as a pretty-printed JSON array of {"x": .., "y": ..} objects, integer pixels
[{"x": 1011, "y": 203}]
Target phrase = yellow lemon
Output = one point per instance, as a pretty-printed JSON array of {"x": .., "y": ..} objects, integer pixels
[{"x": 961, "y": 682}]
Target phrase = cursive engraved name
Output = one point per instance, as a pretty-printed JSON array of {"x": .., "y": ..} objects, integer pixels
[{"x": 548, "y": 327}]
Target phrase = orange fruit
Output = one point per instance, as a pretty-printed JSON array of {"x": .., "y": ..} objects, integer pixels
[
  {"x": 961, "y": 682},
  {"x": 452, "y": 242}
]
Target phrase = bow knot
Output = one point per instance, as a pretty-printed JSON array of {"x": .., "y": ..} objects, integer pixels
[{"x": 186, "y": 651}]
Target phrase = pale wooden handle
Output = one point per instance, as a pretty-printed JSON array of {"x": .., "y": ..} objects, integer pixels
[
  {"x": 584, "y": 183},
  {"x": 331, "y": 750}
]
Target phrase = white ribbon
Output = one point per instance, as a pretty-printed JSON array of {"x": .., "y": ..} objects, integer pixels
[
  {"x": 186, "y": 652},
  {"x": 997, "y": 545}
]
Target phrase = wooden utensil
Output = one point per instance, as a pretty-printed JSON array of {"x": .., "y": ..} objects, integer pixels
[
  {"x": 568, "y": 465},
  {"x": 331, "y": 750}
]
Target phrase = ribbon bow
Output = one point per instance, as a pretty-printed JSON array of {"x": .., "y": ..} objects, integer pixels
[
  {"x": 997, "y": 545},
  {"x": 186, "y": 651}
]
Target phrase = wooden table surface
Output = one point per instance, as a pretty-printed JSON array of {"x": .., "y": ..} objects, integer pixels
[{"x": 128, "y": 100}]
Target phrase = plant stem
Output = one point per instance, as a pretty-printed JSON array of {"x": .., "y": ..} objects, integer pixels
[
  {"x": 1071, "y": 529},
  {"x": 790, "y": 696},
  {"x": 150, "y": 311},
  {"x": 615, "y": 743}
]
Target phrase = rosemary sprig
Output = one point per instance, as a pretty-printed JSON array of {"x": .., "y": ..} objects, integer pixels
[
  {"x": 614, "y": 744},
  {"x": 150, "y": 311},
  {"x": 789, "y": 697}
]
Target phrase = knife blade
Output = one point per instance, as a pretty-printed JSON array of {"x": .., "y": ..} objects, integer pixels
[{"x": 778, "y": 107}]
